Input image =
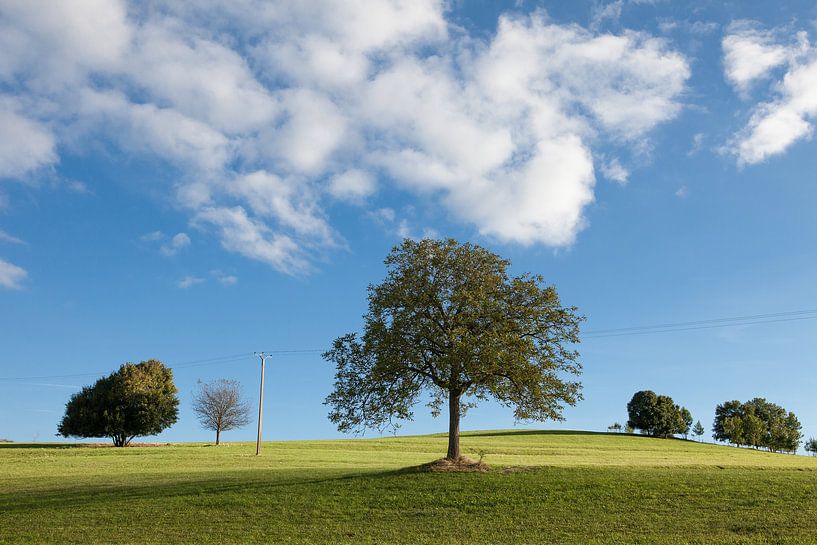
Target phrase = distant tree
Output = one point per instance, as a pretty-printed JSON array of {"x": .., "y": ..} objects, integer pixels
[
  {"x": 628, "y": 428},
  {"x": 684, "y": 421},
  {"x": 138, "y": 399},
  {"x": 698, "y": 430},
  {"x": 219, "y": 406},
  {"x": 449, "y": 320},
  {"x": 759, "y": 424},
  {"x": 811, "y": 446},
  {"x": 724, "y": 411},
  {"x": 615, "y": 427},
  {"x": 753, "y": 430},
  {"x": 657, "y": 415}
]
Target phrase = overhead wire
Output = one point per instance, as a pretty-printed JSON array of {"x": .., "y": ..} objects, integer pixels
[{"x": 670, "y": 327}]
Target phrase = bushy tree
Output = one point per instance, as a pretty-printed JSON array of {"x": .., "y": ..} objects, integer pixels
[
  {"x": 657, "y": 415},
  {"x": 615, "y": 427},
  {"x": 220, "y": 406},
  {"x": 811, "y": 446},
  {"x": 757, "y": 423},
  {"x": 138, "y": 399},
  {"x": 450, "y": 321}
]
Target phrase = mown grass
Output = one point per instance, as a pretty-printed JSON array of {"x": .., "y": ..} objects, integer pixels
[{"x": 544, "y": 487}]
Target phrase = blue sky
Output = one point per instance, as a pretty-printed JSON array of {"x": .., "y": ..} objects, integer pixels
[{"x": 196, "y": 183}]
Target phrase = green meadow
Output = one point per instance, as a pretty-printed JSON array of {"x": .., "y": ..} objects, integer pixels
[{"x": 543, "y": 487}]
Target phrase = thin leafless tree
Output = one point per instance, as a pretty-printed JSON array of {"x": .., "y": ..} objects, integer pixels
[{"x": 220, "y": 406}]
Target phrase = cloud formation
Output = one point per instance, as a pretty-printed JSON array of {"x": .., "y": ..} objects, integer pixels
[
  {"x": 11, "y": 276},
  {"x": 751, "y": 55},
  {"x": 266, "y": 111}
]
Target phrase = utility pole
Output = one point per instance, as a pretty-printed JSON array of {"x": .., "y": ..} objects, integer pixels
[{"x": 263, "y": 356}]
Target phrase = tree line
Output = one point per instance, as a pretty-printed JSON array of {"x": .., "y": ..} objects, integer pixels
[{"x": 755, "y": 423}]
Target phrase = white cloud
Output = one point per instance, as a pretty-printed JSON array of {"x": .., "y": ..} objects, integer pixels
[
  {"x": 251, "y": 238},
  {"x": 614, "y": 171},
  {"x": 682, "y": 192},
  {"x": 264, "y": 110},
  {"x": 189, "y": 281},
  {"x": 175, "y": 244},
  {"x": 776, "y": 124},
  {"x": 5, "y": 237},
  {"x": 200, "y": 78},
  {"x": 11, "y": 276},
  {"x": 25, "y": 144},
  {"x": 749, "y": 53},
  {"x": 353, "y": 185},
  {"x": 606, "y": 12}
]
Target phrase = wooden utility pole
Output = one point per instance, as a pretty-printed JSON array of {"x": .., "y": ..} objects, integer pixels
[{"x": 263, "y": 357}]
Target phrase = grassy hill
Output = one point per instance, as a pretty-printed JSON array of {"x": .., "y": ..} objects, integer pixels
[{"x": 544, "y": 487}]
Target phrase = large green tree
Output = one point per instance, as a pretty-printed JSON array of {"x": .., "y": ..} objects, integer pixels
[
  {"x": 136, "y": 400},
  {"x": 450, "y": 321},
  {"x": 657, "y": 415}
]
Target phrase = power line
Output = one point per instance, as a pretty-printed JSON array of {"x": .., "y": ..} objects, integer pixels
[
  {"x": 704, "y": 324},
  {"x": 231, "y": 358},
  {"x": 670, "y": 327}
]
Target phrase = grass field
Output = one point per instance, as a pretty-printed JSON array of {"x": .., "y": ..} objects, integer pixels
[{"x": 544, "y": 487}]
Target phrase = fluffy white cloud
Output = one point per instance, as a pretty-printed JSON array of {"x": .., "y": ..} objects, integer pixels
[
  {"x": 266, "y": 109},
  {"x": 25, "y": 144},
  {"x": 354, "y": 185},
  {"x": 615, "y": 171},
  {"x": 750, "y": 53},
  {"x": 11, "y": 276},
  {"x": 251, "y": 238}
]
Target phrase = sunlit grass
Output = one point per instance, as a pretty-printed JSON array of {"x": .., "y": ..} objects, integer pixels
[{"x": 544, "y": 487}]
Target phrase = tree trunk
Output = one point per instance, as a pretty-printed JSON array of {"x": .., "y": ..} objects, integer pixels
[
  {"x": 453, "y": 427},
  {"x": 218, "y": 437}
]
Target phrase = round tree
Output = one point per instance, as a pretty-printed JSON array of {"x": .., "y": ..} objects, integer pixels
[
  {"x": 138, "y": 399},
  {"x": 451, "y": 322}
]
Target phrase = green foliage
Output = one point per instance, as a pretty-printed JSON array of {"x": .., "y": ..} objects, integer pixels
[
  {"x": 450, "y": 321},
  {"x": 757, "y": 423},
  {"x": 615, "y": 427},
  {"x": 138, "y": 399},
  {"x": 698, "y": 430},
  {"x": 657, "y": 415},
  {"x": 811, "y": 446}
]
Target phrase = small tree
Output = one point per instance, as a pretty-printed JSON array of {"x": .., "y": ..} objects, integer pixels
[
  {"x": 811, "y": 446},
  {"x": 698, "y": 430},
  {"x": 616, "y": 427},
  {"x": 219, "y": 406},
  {"x": 450, "y": 321},
  {"x": 138, "y": 399}
]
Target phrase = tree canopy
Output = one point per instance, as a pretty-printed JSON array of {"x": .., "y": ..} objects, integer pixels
[
  {"x": 757, "y": 423},
  {"x": 451, "y": 322},
  {"x": 136, "y": 400},
  {"x": 657, "y": 415}
]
